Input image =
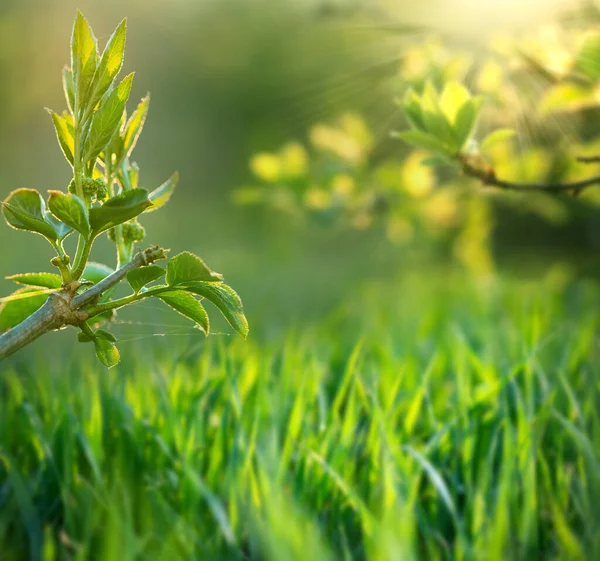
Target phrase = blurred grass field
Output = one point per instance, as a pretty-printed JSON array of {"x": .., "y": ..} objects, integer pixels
[{"x": 435, "y": 419}]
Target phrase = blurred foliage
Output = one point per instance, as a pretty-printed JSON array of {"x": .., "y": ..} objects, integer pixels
[{"x": 538, "y": 108}]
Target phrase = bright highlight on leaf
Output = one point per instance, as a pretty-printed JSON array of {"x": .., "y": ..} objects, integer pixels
[
  {"x": 187, "y": 267},
  {"x": 443, "y": 122},
  {"x": 44, "y": 280}
]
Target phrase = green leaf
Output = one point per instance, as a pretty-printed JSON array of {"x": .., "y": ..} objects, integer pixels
[
  {"x": 20, "y": 305},
  {"x": 497, "y": 136},
  {"x": 110, "y": 63},
  {"x": 161, "y": 195},
  {"x": 436, "y": 123},
  {"x": 187, "y": 267},
  {"x": 107, "y": 118},
  {"x": 44, "y": 280},
  {"x": 134, "y": 125},
  {"x": 187, "y": 306},
  {"x": 224, "y": 298},
  {"x": 138, "y": 278},
  {"x": 107, "y": 352},
  {"x": 465, "y": 123},
  {"x": 115, "y": 147},
  {"x": 84, "y": 58},
  {"x": 71, "y": 210},
  {"x": 84, "y": 337},
  {"x": 454, "y": 97},
  {"x": 103, "y": 334},
  {"x": 422, "y": 140},
  {"x": 64, "y": 135},
  {"x": 95, "y": 272},
  {"x": 119, "y": 209},
  {"x": 69, "y": 88},
  {"x": 412, "y": 108},
  {"x": 25, "y": 209},
  {"x": 587, "y": 60}
]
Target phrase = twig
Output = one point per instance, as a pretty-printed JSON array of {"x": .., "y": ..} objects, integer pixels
[
  {"x": 143, "y": 258},
  {"x": 487, "y": 176},
  {"x": 64, "y": 308},
  {"x": 589, "y": 159}
]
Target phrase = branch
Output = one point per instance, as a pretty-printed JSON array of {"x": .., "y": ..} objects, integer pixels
[
  {"x": 141, "y": 259},
  {"x": 589, "y": 159},
  {"x": 487, "y": 176},
  {"x": 54, "y": 314},
  {"x": 126, "y": 300},
  {"x": 63, "y": 308}
]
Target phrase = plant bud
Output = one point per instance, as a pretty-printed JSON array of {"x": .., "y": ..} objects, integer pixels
[
  {"x": 72, "y": 187},
  {"x": 133, "y": 232},
  {"x": 90, "y": 187},
  {"x": 101, "y": 189}
]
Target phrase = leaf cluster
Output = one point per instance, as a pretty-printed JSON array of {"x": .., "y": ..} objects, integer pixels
[{"x": 97, "y": 137}]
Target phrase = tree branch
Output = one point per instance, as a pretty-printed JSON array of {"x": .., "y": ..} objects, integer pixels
[
  {"x": 589, "y": 159},
  {"x": 54, "y": 314},
  {"x": 64, "y": 308},
  {"x": 143, "y": 258},
  {"x": 126, "y": 300},
  {"x": 487, "y": 176}
]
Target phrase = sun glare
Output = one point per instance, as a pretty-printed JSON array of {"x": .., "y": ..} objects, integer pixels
[{"x": 477, "y": 18}]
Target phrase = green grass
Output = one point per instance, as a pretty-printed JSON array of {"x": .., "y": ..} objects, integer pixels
[{"x": 446, "y": 421}]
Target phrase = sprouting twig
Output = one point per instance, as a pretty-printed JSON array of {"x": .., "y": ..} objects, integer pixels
[{"x": 64, "y": 308}]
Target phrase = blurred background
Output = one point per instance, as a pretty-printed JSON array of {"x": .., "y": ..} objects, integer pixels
[{"x": 230, "y": 78}]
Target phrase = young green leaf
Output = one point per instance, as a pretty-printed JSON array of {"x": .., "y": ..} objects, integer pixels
[
  {"x": 84, "y": 58},
  {"x": 107, "y": 352},
  {"x": 69, "y": 88},
  {"x": 134, "y": 125},
  {"x": 103, "y": 334},
  {"x": 25, "y": 209},
  {"x": 224, "y": 298},
  {"x": 453, "y": 99},
  {"x": 465, "y": 123},
  {"x": 187, "y": 267},
  {"x": 43, "y": 280},
  {"x": 115, "y": 149},
  {"x": 119, "y": 209},
  {"x": 161, "y": 195},
  {"x": 64, "y": 135},
  {"x": 138, "y": 278},
  {"x": 412, "y": 108},
  {"x": 107, "y": 118},
  {"x": 435, "y": 120},
  {"x": 422, "y": 140},
  {"x": 84, "y": 337},
  {"x": 71, "y": 210},
  {"x": 187, "y": 306},
  {"x": 110, "y": 63},
  {"x": 497, "y": 136},
  {"x": 20, "y": 305},
  {"x": 95, "y": 272}
]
